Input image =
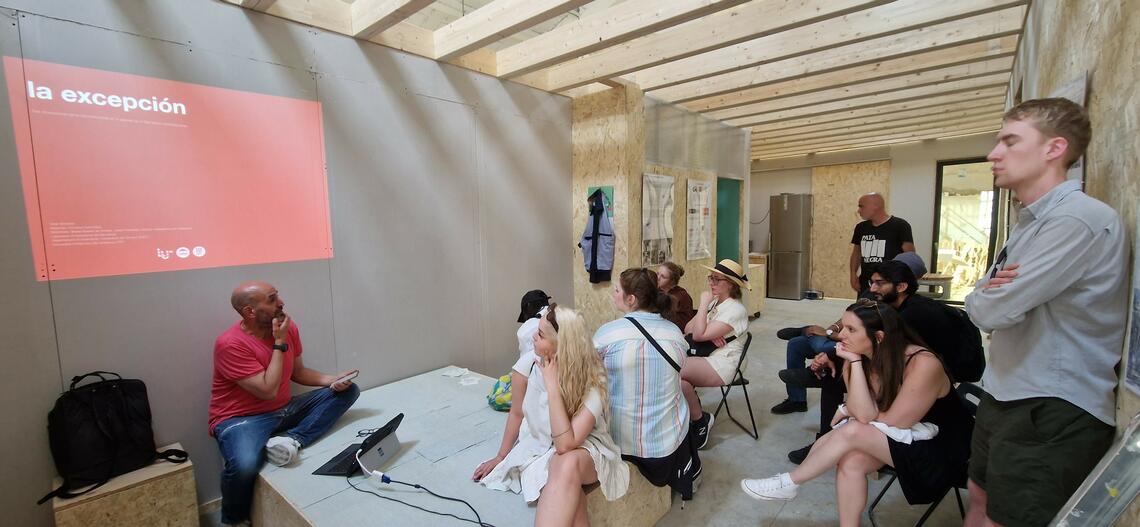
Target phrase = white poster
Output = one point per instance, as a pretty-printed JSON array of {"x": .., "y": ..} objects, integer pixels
[
  {"x": 657, "y": 219},
  {"x": 699, "y": 219}
]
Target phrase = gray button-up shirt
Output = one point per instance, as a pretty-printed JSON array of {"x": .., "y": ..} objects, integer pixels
[{"x": 1058, "y": 328}]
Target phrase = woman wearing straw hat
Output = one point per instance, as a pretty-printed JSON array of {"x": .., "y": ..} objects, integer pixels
[{"x": 721, "y": 319}]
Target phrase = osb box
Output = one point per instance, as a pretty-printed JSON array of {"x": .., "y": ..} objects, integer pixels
[{"x": 162, "y": 494}]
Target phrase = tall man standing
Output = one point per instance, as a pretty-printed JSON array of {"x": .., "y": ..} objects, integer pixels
[
  {"x": 251, "y": 413},
  {"x": 1055, "y": 303},
  {"x": 878, "y": 238}
]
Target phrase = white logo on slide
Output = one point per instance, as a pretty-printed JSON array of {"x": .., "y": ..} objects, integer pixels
[
  {"x": 182, "y": 252},
  {"x": 199, "y": 251},
  {"x": 165, "y": 255}
]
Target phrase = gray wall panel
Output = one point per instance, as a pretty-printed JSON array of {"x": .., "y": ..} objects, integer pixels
[
  {"x": 30, "y": 378},
  {"x": 448, "y": 195}
]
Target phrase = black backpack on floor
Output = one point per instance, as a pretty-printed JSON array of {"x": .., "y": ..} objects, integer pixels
[{"x": 99, "y": 431}]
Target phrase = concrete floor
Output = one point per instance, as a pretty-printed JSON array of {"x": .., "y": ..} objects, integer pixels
[{"x": 732, "y": 454}]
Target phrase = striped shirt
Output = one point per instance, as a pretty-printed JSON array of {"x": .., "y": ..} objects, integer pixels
[{"x": 648, "y": 414}]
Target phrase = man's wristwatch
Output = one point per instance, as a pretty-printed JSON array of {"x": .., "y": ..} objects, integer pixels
[
  {"x": 830, "y": 331},
  {"x": 284, "y": 346}
]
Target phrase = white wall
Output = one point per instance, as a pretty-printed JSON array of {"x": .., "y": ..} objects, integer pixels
[{"x": 766, "y": 185}]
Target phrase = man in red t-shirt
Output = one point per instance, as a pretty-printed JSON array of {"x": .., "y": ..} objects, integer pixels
[{"x": 252, "y": 415}]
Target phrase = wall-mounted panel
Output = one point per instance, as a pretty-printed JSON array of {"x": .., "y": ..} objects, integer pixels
[{"x": 835, "y": 194}]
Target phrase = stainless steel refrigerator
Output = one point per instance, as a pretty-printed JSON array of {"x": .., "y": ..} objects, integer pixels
[{"x": 789, "y": 265}]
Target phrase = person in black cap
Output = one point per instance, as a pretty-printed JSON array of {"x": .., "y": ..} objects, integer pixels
[{"x": 533, "y": 307}]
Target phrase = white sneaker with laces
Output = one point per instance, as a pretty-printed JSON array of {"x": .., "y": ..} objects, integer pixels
[
  {"x": 774, "y": 488},
  {"x": 281, "y": 450}
]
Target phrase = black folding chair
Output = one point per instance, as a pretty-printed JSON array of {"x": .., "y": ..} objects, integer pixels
[
  {"x": 964, "y": 389},
  {"x": 739, "y": 380}
]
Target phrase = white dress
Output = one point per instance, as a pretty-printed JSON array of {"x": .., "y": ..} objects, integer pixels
[
  {"x": 525, "y": 469},
  {"x": 724, "y": 359}
]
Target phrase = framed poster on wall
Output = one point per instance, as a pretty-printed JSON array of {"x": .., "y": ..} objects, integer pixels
[
  {"x": 656, "y": 219},
  {"x": 699, "y": 219}
]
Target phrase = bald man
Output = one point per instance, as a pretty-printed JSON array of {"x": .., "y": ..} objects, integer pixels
[
  {"x": 878, "y": 238},
  {"x": 252, "y": 415}
]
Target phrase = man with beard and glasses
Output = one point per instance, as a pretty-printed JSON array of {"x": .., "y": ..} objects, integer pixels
[{"x": 252, "y": 415}]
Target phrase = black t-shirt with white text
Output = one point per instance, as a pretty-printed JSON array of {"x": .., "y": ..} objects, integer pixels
[{"x": 879, "y": 244}]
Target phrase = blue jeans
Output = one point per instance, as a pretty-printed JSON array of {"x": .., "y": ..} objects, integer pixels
[
  {"x": 241, "y": 441},
  {"x": 800, "y": 349}
]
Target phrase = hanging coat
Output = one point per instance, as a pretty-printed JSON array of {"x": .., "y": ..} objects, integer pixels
[{"x": 598, "y": 240}]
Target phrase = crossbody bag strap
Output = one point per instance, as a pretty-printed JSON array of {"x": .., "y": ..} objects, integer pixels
[{"x": 664, "y": 355}]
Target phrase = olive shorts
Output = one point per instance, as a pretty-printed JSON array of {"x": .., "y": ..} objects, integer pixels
[{"x": 1030, "y": 455}]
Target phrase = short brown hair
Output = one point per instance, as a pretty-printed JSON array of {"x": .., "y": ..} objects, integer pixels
[
  {"x": 675, "y": 271},
  {"x": 1057, "y": 117}
]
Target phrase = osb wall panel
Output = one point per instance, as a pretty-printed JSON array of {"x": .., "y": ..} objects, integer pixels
[
  {"x": 694, "y": 279},
  {"x": 608, "y": 148},
  {"x": 1064, "y": 40},
  {"x": 835, "y": 193}
]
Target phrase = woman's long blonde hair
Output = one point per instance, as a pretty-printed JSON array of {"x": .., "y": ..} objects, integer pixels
[{"x": 580, "y": 367}]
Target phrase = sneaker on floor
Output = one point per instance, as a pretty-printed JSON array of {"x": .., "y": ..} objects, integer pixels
[
  {"x": 799, "y": 455},
  {"x": 788, "y": 406},
  {"x": 774, "y": 488},
  {"x": 281, "y": 450},
  {"x": 790, "y": 333},
  {"x": 700, "y": 429}
]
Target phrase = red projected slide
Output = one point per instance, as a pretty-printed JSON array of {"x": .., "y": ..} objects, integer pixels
[{"x": 127, "y": 174}]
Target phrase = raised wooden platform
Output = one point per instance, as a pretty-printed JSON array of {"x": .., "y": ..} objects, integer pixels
[{"x": 448, "y": 429}]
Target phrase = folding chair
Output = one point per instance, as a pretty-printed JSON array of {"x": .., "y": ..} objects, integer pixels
[
  {"x": 739, "y": 380},
  {"x": 964, "y": 389}
]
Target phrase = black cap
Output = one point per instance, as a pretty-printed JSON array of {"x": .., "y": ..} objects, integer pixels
[{"x": 532, "y": 301}]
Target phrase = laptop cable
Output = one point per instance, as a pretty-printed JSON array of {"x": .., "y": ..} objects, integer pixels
[{"x": 384, "y": 478}]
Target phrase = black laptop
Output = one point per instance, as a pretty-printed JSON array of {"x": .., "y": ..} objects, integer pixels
[{"x": 376, "y": 448}]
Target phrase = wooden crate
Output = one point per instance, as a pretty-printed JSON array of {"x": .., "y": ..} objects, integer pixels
[{"x": 162, "y": 494}]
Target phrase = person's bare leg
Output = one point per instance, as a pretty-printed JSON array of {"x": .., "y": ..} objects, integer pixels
[
  {"x": 697, "y": 372},
  {"x": 851, "y": 486},
  {"x": 559, "y": 499},
  {"x": 581, "y": 519},
  {"x": 829, "y": 449},
  {"x": 976, "y": 513}
]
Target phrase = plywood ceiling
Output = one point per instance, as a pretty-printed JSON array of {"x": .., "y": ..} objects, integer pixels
[{"x": 804, "y": 76}]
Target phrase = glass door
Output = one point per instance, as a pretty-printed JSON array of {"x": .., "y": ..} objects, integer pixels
[{"x": 965, "y": 206}]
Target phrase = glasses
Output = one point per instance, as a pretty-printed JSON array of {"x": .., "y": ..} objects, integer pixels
[
  {"x": 550, "y": 315},
  {"x": 715, "y": 279},
  {"x": 869, "y": 304},
  {"x": 877, "y": 283}
]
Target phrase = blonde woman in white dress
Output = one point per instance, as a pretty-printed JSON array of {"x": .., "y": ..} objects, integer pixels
[{"x": 564, "y": 441}]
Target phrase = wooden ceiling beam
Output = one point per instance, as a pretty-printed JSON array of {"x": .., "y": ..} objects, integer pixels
[
  {"x": 991, "y": 108},
  {"x": 961, "y": 86},
  {"x": 881, "y": 142},
  {"x": 986, "y": 119},
  {"x": 964, "y": 54},
  {"x": 930, "y": 131},
  {"x": 955, "y": 33},
  {"x": 914, "y": 80},
  {"x": 927, "y": 105},
  {"x": 620, "y": 23},
  {"x": 724, "y": 28},
  {"x": 878, "y": 22},
  {"x": 370, "y": 17},
  {"x": 495, "y": 21}
]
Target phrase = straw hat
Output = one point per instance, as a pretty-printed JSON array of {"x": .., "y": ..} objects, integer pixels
[{"x": 731, "y": 270}]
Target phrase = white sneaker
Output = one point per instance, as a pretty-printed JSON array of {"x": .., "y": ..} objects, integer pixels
[
  {"x": 773, "y": 488},
  {"x": 281, "y": 450}
]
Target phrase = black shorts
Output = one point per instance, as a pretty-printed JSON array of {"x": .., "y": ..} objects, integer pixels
[
  {"x": 678, "y": 470},
  {"x": 1030, "y": 455}
]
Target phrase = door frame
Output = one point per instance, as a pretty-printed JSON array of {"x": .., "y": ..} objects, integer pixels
[{"x": 991, "y": 245}]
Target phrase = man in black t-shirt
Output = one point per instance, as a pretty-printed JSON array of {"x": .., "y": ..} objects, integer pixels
[{"x": 876, "y": 239}]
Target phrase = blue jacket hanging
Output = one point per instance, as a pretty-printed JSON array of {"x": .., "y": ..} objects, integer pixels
[{"x": 598, "y": 240}]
